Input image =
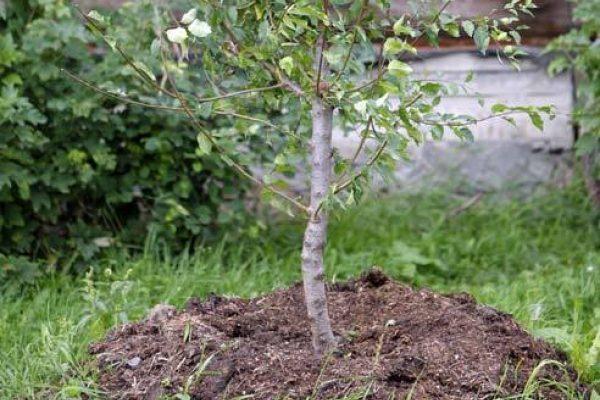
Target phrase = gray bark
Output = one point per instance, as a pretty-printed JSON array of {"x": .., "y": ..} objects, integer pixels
[{"x": 315, "y": 235}]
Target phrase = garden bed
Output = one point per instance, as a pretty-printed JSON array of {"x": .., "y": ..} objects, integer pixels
[{"x": 394, "y": 341}]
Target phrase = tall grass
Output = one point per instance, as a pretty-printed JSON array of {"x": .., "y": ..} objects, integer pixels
[{"x": 539, "y": 260}]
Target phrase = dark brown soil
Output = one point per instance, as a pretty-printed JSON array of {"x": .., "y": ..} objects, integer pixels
[{"x": 393, "y": 340}]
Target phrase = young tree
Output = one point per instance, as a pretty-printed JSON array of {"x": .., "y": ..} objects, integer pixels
[{"x": 307, "y": 65}]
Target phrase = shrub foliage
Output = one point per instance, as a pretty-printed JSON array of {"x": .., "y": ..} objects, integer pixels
[
  {"x": 580, "y": 49},
  {"x": 81, "y": 171}
]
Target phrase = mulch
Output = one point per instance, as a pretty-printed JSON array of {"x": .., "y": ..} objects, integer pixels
[{"x": 395, "y": 342}]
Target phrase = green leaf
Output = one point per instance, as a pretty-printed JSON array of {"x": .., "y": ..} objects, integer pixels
[
  {"x": 452, "y": 29},
  {"x": 361, "y": 107},
  {"x": 468, "y": 27},
  {"x": 112, "y": 42},
  {"x": 287, "y": 64},
  {"x": 469, "y": 76},
  {"x": 516, "y": 36},
  {"x": 499, "y": 108},
  {"x": 586, "y": 144},
  {"x": 437, "y": 132},
  {"x": 399, "y": 69},
  {"x": 205, "y": 109},
  {"x": 144, "y": 69},
  {"x": 393, "y": 46},
  {"x": 155, "y": 47},
  {"x": 537, "y": 120},
  {"x": 431, "y": 88},
  {"x": 482, "y": 38},
  {"x": 400, "y": 28},
  {"x": 97, "y": 18},
  {"x": 463, "y": 133},
  {"x": 204, "y": 144},
  {"x": 232, "y": 14}
]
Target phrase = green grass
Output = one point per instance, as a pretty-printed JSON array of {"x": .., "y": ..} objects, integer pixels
[{"x": 539, "y": 260}]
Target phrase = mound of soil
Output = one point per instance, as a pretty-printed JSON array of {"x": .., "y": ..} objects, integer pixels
[{"x": 393, "y": 341}]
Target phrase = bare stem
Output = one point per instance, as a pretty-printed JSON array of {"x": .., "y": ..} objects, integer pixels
[
  {"x": 358, "y": 174},
  {"x": 115, "y": 96},
  {"x": 238, "y": 93},
  {"x": 315, "y": 235}
]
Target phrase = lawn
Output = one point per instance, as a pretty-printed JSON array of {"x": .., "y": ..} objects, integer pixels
[{"x": 537, "y": 259}]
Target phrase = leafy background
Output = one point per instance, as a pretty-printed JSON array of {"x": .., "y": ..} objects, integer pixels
[
  {"x": 579, "y": 50},
  {"x": 80, "y": 172}
]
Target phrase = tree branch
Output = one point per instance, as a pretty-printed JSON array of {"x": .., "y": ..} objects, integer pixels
[
  {"x": 272, "y": 69},
  {"x": 238, "y": 93},
  {"x": 349, "y": 54},
  {"x": 123, "y": 99},
  {"x": 259, "y": 120},
  {"x": 358, "y": 174},
  {"x": 240, "y": 169}
]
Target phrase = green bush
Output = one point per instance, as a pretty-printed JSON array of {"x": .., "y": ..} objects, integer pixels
[
  {"x": 80, "y": 171},
  {"x": 580, "y": 50}
]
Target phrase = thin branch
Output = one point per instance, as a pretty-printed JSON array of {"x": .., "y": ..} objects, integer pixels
[
  {"x": 471, "y": 121},
  {"x": 320, "y": 50},
  {"x": 123, "y": 99},
  {"x": 154, "y": 85},
  {"x": 286, "y": 83},
  {"x": 128, "y": 60},
  {"x": 361, "y": 145},
  {"x": 358, "y": 174},
  {"x": 363, "y": 86},
  {"x": 363, "y": 140},
  {"x": 434, "y": 20},
  {"x": 374, "y": 80},
  {"x": 240, "y": 169},
  {"x": 128, "y": 100},
  {"x": 338, "y": 188},
  {"x": 177, "y": 94},
  {"x": 259, "y": 120},
  {"x": 352, "y": 44},
  {"x": 238, "y": 93}
]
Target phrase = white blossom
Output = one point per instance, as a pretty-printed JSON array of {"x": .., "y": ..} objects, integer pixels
[
  {"x": 177, "y": 35},
  {"x": 200, "y": 29},
  {"x": 189, "y": 17}
]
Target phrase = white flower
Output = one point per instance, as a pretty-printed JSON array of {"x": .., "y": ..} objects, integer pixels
[
  {"x": 200, "y": 29},
  {"x": 177, "y": 35},
  {"x": 188, "y": 17}
]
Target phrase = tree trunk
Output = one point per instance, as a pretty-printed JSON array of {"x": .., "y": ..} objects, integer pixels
[{"x": 315, "y": 235}]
